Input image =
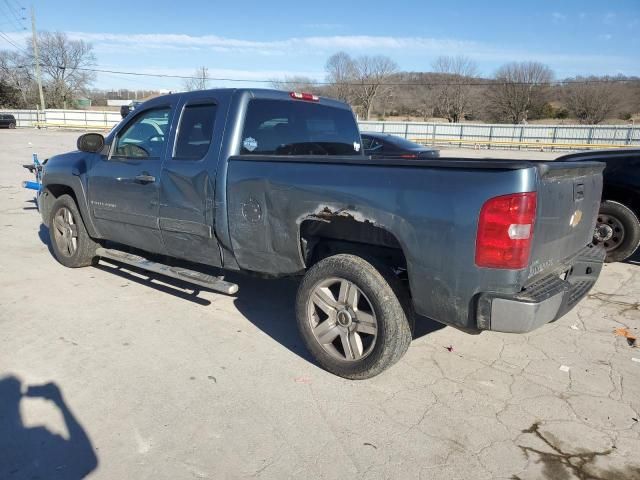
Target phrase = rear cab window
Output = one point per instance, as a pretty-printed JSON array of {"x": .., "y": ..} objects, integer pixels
[
  {"x": 195, "y": 131},
  {"x": 286, "y": 127}
]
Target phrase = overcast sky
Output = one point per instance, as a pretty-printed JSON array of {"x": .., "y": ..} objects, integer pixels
[{"x": 269, "y": 39}]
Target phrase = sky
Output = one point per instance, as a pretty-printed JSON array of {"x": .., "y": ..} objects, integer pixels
[{"x": 267, "y": 40}]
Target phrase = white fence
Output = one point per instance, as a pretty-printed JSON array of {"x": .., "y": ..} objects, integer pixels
[
  {"x": 511, "y": 136},
  {"x": 471, "y": 135},
  {"x": 82, "y": 119}
]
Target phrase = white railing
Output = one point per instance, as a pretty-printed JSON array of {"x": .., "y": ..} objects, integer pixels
[
  {"x": 81, "y": 119},
  {"x": 511, "y": 136},
  {"x": 471, "y": 135}
]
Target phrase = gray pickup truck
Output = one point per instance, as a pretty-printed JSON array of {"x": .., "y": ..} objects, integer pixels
[{"x": 276, "y": 184}]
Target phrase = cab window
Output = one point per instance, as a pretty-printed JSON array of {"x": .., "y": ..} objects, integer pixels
[
  {"x": 146, "y": 136},
  {"x": 195, "y": 131}
]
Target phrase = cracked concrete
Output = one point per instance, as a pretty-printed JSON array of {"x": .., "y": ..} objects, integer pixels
[{"x": 136, "y": 360}]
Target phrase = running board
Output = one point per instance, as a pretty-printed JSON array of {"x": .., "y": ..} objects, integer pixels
[{"x": 190, "y": 276}]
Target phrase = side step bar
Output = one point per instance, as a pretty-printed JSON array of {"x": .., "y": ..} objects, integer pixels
[{"x": 190, "y": 276}]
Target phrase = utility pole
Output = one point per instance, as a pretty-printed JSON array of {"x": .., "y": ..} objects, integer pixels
[{"x": 34, "y": 37}]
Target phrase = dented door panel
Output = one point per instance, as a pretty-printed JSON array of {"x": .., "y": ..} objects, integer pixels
[{"x": 186, "y": 213}]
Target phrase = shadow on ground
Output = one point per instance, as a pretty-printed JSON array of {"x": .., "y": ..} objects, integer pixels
[
  {"x": 43, "y": 235},
  {"x": 267, "y": 303},
  {"x": 36, "y": 452},
  {"x": 634, "y": 259}
]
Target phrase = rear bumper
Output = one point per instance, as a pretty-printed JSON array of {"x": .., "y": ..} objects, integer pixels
[{"x": 544, "y": 300}]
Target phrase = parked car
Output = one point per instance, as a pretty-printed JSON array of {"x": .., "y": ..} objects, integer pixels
[
  {"x": 7, "y": 120},
  {"x": 617, "y": 228},
  {"x": 378, "y": 145},
  {"x": 276, "y": 184}
]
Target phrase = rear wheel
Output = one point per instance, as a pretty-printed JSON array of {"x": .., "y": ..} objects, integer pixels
[
  {"x": 70, "y": 241},
  {"x": 351, "y": 318},
  {"x": 12, "y": 125},
  {"x": 617, "y": 230}
]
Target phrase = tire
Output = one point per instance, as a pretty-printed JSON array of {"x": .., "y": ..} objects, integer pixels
[
  {"x": 69, "y": 239},
  {"x": 617, "y": 230},
  {"x": 368, "y": 330},
  {"x": 12, "y": 125}
]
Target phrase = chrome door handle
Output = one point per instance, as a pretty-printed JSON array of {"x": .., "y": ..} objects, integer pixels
[{"x": 144, "y": 178}]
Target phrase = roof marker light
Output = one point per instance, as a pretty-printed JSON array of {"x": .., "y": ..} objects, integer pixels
[{"x": 310, "y": 97}]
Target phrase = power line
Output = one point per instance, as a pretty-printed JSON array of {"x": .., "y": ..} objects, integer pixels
[
  {"x": 6, "y": 37},
  {"x": 485, "y": 83},
  {"x": 15, "y": 11},
  {"x": 397, "y": 84},
  {"x": 11, "y": 15}
]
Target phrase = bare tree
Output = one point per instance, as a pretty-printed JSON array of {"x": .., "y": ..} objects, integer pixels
[
  {"x": 65, "y": 66},
  {"x": 199, "y": 80},
  {"x": 591, "y": 100},
  {"x": 371, "y": 73},
  {"x": 453, "y": 95},
  {"x": 16, "y": 78},
  {"x": 297, "y": 83},
  {"x": 341, "y": 72},
  {"x": 518, "y": 88}
]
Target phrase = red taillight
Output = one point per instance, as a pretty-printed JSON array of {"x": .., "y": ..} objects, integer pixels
[
  {"x": 310, "y": 97},
  {"x": 408, "y": 155},
  {"x": 505, "y": 231}
]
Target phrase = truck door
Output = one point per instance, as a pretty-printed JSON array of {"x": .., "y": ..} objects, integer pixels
[
  {"x": 188, "y": 181},
  {"x": 123, "y": 186}
]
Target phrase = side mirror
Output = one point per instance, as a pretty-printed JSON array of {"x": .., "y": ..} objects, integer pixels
[{"x": 90, "y": 142}]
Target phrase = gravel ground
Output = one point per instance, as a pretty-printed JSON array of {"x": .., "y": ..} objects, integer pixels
[{"x": 146, "y": 379}]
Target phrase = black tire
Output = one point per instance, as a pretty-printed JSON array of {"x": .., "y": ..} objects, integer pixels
[
  {"x": 12, "y": 125},
  {"x": 618, "y": 230},
  {"x": 61, "y": 235},
  {"x": 386, "y": 296}
]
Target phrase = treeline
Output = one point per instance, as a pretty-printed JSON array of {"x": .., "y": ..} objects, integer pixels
[
  {"x": 453, "y": 90},
  {"x": 374, "y": 86},
  {"x": 64, "y": 66}
]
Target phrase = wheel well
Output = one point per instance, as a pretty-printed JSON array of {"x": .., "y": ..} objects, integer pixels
[
  {"x": 58, "y": 190},
  {"x": 51, "y": 193},
  {"x": 320, "y": 238}
]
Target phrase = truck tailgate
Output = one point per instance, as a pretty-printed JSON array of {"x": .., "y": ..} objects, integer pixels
[{"x": 568, "y": 202}]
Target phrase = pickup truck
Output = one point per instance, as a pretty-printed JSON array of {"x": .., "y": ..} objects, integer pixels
[{"x": 276, "y": 184}]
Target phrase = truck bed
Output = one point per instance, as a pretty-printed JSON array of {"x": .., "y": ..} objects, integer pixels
[{"x": 430, "y": 207}]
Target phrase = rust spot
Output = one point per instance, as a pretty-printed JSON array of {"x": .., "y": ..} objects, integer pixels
[{"x": 326, "y": 214}]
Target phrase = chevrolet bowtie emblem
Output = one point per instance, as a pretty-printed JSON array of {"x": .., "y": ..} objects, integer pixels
[{"x": 575, "y": 218}]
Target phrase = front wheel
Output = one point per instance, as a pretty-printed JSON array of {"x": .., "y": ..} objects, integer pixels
[
  {"x": 70, "y": 241},
  {"x": 617, "y": 230},
  {"x": 351, "y": 318},
  {"x": 12, "y": 125}
]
